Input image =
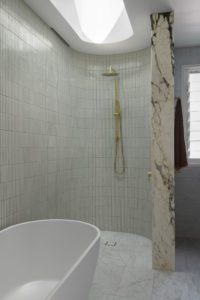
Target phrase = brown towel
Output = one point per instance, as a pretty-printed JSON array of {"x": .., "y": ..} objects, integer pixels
[{"x": 179, "y": 141}]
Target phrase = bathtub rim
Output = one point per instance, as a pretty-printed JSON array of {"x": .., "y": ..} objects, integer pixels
[{"x": 79, "y": 259}]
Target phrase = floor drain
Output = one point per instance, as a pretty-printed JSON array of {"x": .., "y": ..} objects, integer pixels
[{"x": 110, "y": 244}]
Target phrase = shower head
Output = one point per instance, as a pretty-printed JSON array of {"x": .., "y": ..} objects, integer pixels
[{"x": 110, "y": 72}]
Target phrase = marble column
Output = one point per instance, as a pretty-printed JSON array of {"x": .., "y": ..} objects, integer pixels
[{"x": 162, "y": 55}]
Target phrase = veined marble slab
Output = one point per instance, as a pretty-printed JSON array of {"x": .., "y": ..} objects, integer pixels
[{"x": 162, "y": 54}]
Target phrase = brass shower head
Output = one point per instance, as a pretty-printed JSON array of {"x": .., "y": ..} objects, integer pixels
[{"x": 110, "y": 72}]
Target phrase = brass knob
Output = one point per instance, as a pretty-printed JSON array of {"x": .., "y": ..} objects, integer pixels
[{"x": 149, "y": 173}]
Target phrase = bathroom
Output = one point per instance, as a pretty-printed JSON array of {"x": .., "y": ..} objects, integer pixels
[{"x": 92, "y": 203}]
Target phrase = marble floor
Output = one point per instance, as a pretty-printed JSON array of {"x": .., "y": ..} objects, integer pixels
[{"x": 124, "y": 272}]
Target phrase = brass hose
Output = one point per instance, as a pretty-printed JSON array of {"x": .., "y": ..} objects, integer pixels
[
  {"x": 119, "y": 148},
  {"x": 118, "y": 142}
]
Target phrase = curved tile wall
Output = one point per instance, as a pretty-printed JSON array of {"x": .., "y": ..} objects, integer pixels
[
  {"x": 57, "y": 129},
  {"x": 110, "y": 201}
]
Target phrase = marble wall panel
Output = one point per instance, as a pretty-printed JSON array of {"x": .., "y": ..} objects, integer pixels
[{"x": 163, "y": 141}]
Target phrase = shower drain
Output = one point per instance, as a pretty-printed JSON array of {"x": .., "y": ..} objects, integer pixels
[{"x": 110, "y": 244}]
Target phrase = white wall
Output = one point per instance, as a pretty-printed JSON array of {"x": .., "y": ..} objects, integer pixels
[
  {"x": 184, "y": 56},
  {"x": 187, "y": 180}
]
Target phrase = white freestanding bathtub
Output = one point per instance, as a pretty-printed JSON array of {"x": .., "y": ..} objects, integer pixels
[{"x": 48, "y": 260}]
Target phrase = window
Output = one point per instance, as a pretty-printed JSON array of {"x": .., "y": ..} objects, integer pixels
[{"x": 191, "y": 108}]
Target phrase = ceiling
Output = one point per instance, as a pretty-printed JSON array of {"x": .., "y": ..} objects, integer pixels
[{"x": 187, "y": 24}]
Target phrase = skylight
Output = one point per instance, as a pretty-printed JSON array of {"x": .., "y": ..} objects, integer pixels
[{"x": 96, "y": 21}]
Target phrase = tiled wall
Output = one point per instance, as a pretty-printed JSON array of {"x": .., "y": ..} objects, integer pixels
[
  {"x": 187, "y": 180},
  {"x": 36, "y": 104},
  {"x": 57, "y": 129},
  {"x": 111, "y": 201}
]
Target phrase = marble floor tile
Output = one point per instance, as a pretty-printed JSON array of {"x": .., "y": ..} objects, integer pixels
[
  {"x": 124, "y": 272},
  {"x": 122, "y": 298},
  {"x": 101, "y": 297},
  {"x": 136, "y": 284},
  {"x": 170, "y": 286},
  {"x": 193, "y": 281},
  {"x": 108, "y": 276},
  {"x": 176, "y": 286}
]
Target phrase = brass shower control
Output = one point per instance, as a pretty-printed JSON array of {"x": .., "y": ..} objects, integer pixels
[
  {"x": 119, "y": 149},
  {"x": 116, "y": 114}
]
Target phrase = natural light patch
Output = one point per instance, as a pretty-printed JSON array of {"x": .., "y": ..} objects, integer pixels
[
  {"x": 96, "y": 21},
  {"x": 97, "y": 18},
  {"x": 194, "y": 115}
]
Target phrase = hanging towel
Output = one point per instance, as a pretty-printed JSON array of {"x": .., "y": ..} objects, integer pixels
[{"x": 180, "y": 156}]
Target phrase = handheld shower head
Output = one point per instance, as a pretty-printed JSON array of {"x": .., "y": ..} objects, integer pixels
[
  {"x": 110, "y": 72},
  {"x": 119, "y": 169}
]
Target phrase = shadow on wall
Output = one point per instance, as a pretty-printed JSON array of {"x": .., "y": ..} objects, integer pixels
[
  {"x": 187, "y": 191},
  {"x": 187, "y": 188}
]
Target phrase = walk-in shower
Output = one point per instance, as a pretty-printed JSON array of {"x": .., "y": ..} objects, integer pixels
[{"x": 119, "y": 161}]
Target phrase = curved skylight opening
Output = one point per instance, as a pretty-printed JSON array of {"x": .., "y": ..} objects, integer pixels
[{"x": 96, "y": 21}]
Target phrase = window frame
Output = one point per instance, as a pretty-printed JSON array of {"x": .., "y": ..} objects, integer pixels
[{"x": 186, "y": 70}]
